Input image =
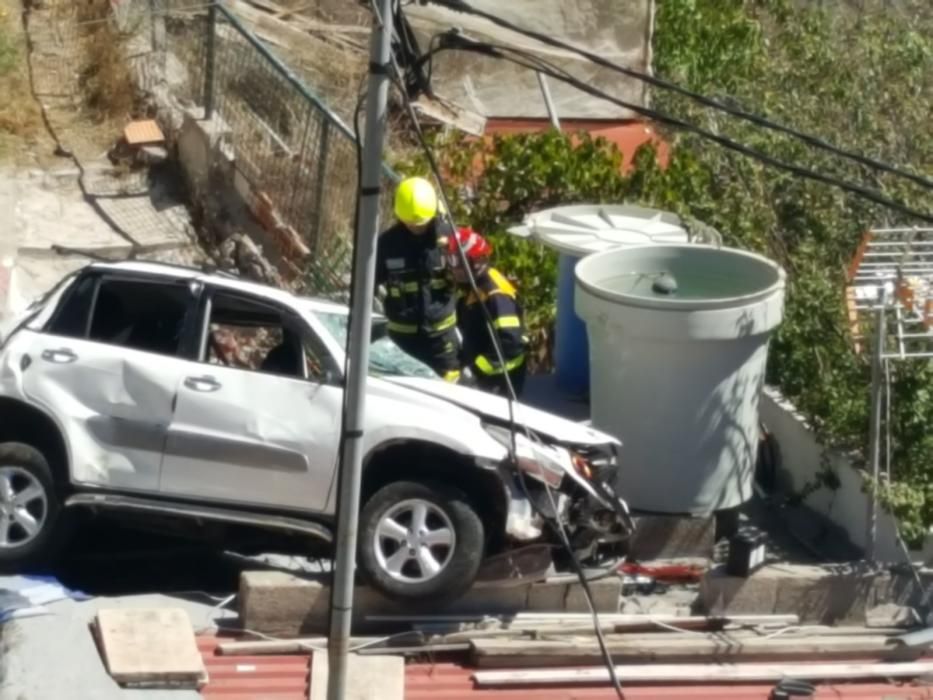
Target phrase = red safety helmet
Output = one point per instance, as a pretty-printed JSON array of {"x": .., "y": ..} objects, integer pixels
[{"x": 474, "y": 246}]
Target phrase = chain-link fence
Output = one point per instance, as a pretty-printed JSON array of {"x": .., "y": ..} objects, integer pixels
[{"x": 288, "y": 145}]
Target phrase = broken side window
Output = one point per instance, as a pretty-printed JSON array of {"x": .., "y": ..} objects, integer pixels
[
  {"x": 252, "y": 335},
  {"x": 141, "y": 315},
  {"x": 262, "y": 337}
]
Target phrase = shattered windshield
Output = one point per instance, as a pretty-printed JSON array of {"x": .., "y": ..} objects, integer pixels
[{"x": 385, "y": 357}]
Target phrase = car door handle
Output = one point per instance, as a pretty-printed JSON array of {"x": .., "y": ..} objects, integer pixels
[
  {"x": 60, "y": 356},
  {"x": 205, "y": 384}
]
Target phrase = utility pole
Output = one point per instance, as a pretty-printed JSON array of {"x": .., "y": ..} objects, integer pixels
[{"x": 348, "y": 504}]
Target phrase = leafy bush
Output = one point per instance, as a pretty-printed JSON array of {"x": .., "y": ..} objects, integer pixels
[
  {"x": 521, "y": 174},
  {"x": 858, "y": 77}
]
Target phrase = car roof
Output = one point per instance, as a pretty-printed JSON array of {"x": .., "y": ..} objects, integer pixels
[{"x": 222, "y": 279}]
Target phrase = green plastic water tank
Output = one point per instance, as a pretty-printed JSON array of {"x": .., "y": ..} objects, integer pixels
[{"x": 678, "y": 338}]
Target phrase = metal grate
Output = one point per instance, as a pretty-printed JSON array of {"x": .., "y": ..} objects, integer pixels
[
  {"x": 891, "y": 284},
  {"x": 288, "y": 145},
  {"x": 890, "y": 296}
]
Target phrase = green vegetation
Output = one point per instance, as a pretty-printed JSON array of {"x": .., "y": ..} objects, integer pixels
[
  {"x": 20, "y": 121},
  {"x": 860, "y": 78}
]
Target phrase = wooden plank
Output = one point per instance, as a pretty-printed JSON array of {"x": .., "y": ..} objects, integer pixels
[
  {"x": 314, "y": 644},
  {"x": 368, "y": 677},
  {"x": 649, "y": 633},
  {"x": 559, "y": 618},
  {"x": 255, "y": 647},
  {"x": 417, "y": 650},
  {"x": 260, "y": 648},
  {"x": 705, "y": 673},
  {"x": 569, "y": 651},
  {"x": 150, "y": 647}
]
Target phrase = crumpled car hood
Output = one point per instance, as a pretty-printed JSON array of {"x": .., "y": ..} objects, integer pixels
[{"x": 496, "y": 409}]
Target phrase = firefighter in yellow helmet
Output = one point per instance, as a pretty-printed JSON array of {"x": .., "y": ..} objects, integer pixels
[{"x": 420, "y": 297}]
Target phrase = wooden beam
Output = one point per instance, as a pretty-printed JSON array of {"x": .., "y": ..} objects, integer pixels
[
  {"x": 733, "y": 634},
  {"x": 309, "y": 644},
  {"x": 416, "y": 650},
  {"x": 569, "y": 651},
  {"x": 260, "y": 648},
  {"x": 705, "y": 673},
  {"x": 624, "y": 619}
]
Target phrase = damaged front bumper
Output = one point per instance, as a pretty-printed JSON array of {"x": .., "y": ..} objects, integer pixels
[{"x": 571, "y": 484}]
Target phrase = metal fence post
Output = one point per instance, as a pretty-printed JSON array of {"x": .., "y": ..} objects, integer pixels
[
  {"x": 319, "y": 194},
  {"x": 211, "y": 47}
]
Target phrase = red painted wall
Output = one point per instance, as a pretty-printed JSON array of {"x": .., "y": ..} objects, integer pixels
[{"x": 627, "y": 135}]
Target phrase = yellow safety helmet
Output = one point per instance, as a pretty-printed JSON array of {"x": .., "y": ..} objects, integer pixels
[{"x": 415, "y": 201}]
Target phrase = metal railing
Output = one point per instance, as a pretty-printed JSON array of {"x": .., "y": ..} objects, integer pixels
[{"x": 287, "y": 144}]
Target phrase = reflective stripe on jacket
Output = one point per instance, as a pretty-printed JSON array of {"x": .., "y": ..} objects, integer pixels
[
  {"x": 500, "y": 299},
  {"x": 420, "y": 296}
]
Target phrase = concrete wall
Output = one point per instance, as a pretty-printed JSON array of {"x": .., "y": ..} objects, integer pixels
[{"x": 801, "y": 459}]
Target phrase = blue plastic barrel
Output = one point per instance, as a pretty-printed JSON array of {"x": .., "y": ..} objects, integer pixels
[{"x": 571, "y": 348}]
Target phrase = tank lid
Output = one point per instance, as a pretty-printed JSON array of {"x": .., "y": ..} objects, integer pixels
[{"x": 582, "y": 229}]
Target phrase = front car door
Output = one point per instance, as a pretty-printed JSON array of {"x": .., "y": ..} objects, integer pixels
[
  {"x": 257, "y": 421},
  {"x": 107, "y": 365}
]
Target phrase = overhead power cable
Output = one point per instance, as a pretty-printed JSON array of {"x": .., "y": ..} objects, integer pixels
[
  {"x": 758, "y": 120},
  {"x": 460, "y": 42}
]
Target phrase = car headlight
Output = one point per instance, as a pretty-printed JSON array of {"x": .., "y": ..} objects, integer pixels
[{"x": 546, "y": 463}]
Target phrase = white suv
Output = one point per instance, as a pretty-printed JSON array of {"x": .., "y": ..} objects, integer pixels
[{"x": 173, "y": 396}]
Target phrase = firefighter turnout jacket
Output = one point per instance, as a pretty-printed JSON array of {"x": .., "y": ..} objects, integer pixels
[
  {"x": 499, "y": 297},
  {"x": 421, "y": 301}
]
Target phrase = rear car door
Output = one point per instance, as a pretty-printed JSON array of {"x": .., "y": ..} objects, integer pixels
[
  {"x": 257, "y": 418},
  {"x": 107, "y": 365}
]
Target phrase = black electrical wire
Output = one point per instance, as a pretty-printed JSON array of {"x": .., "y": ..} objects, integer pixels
[
  {"x": 546, "y": 68},
  {"x": 758, "y": 120},
  {"x": 512, "y": 397}
]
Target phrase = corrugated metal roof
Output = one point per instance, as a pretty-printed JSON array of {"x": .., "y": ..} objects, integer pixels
[
  {"x": 282, "y": 677},
  {"x": 286, "y": 678}
]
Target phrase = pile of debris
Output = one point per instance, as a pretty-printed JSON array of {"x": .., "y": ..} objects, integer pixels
[{"x": 158, "y": 648}]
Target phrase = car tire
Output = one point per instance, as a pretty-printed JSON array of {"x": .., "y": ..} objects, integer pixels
[
  {"x": 32, "y": 526},
  {"x": 411, "y": 563}
]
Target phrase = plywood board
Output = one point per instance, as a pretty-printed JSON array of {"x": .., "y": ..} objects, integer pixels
[
  {"x": 368, "y": 677},
  {"x": 150, "y": 647}
]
